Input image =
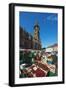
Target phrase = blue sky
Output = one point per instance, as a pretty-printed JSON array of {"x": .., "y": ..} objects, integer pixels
[{"x": 48, "y": 23}]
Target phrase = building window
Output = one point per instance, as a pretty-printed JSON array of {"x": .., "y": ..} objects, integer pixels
[{"x": 36, "y": 46}]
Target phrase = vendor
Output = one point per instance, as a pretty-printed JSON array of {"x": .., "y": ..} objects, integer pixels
[
  {"x": 38, "y": 57},
  {"x": 44, "y": 58}
]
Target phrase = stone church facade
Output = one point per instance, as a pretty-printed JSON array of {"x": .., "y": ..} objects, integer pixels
[{"x": 27, "y": 41}]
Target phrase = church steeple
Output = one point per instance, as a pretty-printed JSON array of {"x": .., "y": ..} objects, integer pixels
[
  {"x": 36, "y": 31},
  {"x": 36, "y": 26},
  {"x": 36, "y": 37}
]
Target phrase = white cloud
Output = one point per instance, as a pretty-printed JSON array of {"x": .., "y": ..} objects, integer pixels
[{"x": 52, "y": 18}]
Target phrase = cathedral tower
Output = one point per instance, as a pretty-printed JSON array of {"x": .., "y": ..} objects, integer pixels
[{"x": 36, "y": 37}]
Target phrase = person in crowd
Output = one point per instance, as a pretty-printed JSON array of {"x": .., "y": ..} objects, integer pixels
[
  {"x": 55, "y": 62},
  {"x": 37, "y": 57},
  {"x": 44, "y": 58}
]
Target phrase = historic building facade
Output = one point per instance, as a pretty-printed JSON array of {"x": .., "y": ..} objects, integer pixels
[
  {"x": 52, "y": 48},
  {"x": 27, "y": 41},
  {"x": 36, "y": 37}
]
